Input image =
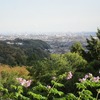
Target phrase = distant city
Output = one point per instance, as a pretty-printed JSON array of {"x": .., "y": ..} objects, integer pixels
[{"x": 59, "y": 42}]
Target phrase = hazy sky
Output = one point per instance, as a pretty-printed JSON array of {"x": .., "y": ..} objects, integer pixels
[{"x": 49, "y": 15}]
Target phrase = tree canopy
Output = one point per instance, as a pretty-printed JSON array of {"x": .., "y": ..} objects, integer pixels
[
  {"x": 22, "y": 52},
  {"x": 93, "y": 47}
]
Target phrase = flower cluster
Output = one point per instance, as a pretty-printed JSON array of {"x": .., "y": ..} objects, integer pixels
[
  {"x": 23, "y": 82},
  {"x": 69, "y": 76},
  {"x": 90, "y": 76},
  {"x": 96, "y": 79}
]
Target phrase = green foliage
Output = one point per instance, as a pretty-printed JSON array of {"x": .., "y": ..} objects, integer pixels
[
  {"x": 62, "y": 98},
  {"x": 53, "y": 91},
  {"x": 4, "y": 90},
  {"x": 93, "y": 67},
  {"x": 86, "y": 88},
  {"x": 56, "y": 84},
  {"x": 13, "y": 55},
  {"x": 75, "y": 61},
  {"x": 58, "y": 64},
  {"x": 54, "y": 77},
  {"x": 8, "y": 75},
  {"x": 37, "y": 96},
  {"x": 98, "y": 33},
  {"x": 42, "y": 92},
  {"x": 71, "y": 96},
  {"x": 77, "y": 48},
  {"x": 22, "y": 52},
  {"x": 93, "y": 46}
]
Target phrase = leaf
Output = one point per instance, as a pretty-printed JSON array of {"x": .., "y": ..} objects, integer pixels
[
  {"x": 71, "y": 96},
  {"x": 87, "y": 92},
  {"x": 37, "y": 96},
  {"x": 3, "y": 89},
  {"x": 80, "y": 86},
  {"x": 62, "y": 76},
  {"x": 56, "y": 84},
  {"x": 63, "y": 98},
  {"x": 20, "y": 89},
  {"x": 13, "y": 87},
  {"x": 40, "y": 87},
  {"x": 55, "y": 91}
]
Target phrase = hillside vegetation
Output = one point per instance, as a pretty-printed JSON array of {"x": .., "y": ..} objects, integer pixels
[
  {"x": 69, "y": 76},
  {"x": 22, "y": 52}
]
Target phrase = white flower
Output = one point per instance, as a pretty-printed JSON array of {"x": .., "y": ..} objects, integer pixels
[
  {"x": 48, "y": 86},
  {"x": 69, "y": 76},
  {"x": 23, "y": 82}
]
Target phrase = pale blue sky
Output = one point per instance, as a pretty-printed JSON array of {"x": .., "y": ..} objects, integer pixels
[{"x": 49, "y": 15}]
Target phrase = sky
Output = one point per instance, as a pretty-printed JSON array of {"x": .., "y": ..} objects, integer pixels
[{"x": 49, "y": 15}]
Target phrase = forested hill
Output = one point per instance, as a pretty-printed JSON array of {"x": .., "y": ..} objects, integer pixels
[{"x": 22, "y": 52}]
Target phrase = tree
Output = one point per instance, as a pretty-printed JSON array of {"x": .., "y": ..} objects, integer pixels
[
  {"x": 77, "y": 48},
  {"x": 93, "y": 47},
  {"x": 75, "y": 61},
  {"x": 98, "y": 34}
]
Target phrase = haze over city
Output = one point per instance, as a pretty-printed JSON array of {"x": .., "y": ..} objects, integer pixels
[{"x": 49, "y": 15}]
